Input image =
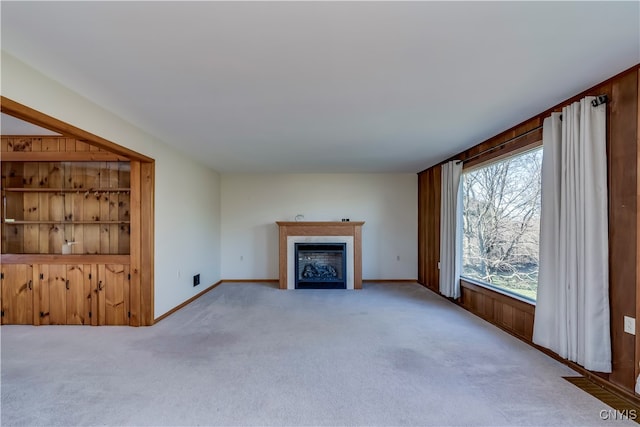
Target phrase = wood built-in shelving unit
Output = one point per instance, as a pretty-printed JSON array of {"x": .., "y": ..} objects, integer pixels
[
  {"x": 77, "y": 228},
  {"x": 50, "y": 207}
]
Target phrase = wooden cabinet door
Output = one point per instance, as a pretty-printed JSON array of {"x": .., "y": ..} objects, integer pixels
[
  {"x": 78, "y": 295},
  {"x": 113, "y": 294},
  {"x": 17, "y": 294},
  {"x": 53, "y": 294}
]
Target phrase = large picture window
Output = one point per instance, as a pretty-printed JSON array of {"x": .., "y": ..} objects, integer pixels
[{"x": 501, "y": 220}]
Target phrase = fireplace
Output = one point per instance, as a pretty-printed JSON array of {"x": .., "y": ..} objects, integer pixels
[
  {"x": 320, "y": 266},
  {"x": 347, "y": 233}
]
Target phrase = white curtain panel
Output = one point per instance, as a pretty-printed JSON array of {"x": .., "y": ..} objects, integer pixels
[
  {"x": 451, "y": 229},
  {"x": 572, "y": 307}
]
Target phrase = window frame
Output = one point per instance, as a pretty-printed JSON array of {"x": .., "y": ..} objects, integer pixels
[{"x": 478, "y": 163}]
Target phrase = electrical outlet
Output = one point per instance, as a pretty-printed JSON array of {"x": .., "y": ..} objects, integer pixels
[
  {"x": 630, "y": 325},
  {"x": 196, "y": 280}
]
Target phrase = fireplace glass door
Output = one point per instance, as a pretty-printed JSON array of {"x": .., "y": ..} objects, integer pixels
[{"x": 320, "y": 266}]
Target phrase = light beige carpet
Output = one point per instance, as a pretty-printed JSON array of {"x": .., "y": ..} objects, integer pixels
[{"x": 253, "y": 355}]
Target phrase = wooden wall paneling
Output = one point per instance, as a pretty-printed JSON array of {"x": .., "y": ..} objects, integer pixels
[
  {"x": 433, "y": 229},
  {"x": 422, "y": 227},
  {"x": 56, "y": 205},
  {"x": 2, "y": 290},
  {"x": 31, "y": 232},
  {"x": 36, "y": 144},
  {"x": 135, "y": 265},
  {"x": 57, "y": 286},
  {"x": 75, "y": 295},
  {"x": 17, "y": 294},
  {"x": 77, "y": 205},
  {"x": 488, "y": 304},
  {"x": 101, "y": 280},
  {"x": 510, "y": 314},
  {"x": 112, "y": 199},
  {"x": 282, "y": 256},
  {"x": 528, "y": 325},
  {"x": 507, "y": 316},
  {"x": 103, "y": 198},
  {"x": 18, "y": 144},
  {"x": 115, "y": 305},
  {"x": 518, "y": 322},
  {"x": 38, "y": 285},
  {"x": 82, "y": 146},
  {"x": 43, "y": 206},
  {"x": 51, "y": 144},
  {"x": 92, "y": 272},
  {"x": 13, "y": 174},
  {"x": 43, "y": 295},
  {"x": 87, "y": 292},
  {"x": 637, "y": 350},
  {"x": 67, "y": 198},
  {"x": 13, "y": 236},
  {"x": 124, "y": 181},
  {"x": 357, "y": 257},
  {"x": 147, "y": 195},
  {"x": 69, "y": 145},
  {"x": 126, "y": 295},
  {"x": 623, "y": 155},
  {"x": 91, "y": 207}
]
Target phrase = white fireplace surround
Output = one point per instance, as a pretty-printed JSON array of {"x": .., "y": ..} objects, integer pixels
[{"x": 291, "y": 253}]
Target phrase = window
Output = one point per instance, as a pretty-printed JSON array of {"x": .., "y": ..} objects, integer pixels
[{"x": 501, "y": 223}]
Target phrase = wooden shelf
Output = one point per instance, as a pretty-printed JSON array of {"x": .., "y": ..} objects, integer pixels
[
  {"x": 64, "y": 156},
  {"x": 67, "y": 190},
  {"x": 63, "y": 259},
  {"x": 63, "y": 222}
]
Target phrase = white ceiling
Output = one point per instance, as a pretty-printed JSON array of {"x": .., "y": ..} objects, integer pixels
[
  {"x": 324, "y": 86},
  {"x": 10, "y": 125}
]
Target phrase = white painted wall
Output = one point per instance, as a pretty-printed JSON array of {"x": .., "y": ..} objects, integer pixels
[
  {"x": 252, "y": 203},
  {"x": 187, "y": 198}
]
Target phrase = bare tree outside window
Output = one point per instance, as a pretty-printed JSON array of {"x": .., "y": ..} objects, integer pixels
[{"x": 501, "y": 223}]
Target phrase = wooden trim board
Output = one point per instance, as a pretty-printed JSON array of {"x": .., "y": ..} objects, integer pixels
[{"x": 35, "y": 117}]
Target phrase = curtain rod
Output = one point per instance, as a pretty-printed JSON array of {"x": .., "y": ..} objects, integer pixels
[
  {"x": 600, "y": 99},
  {"x": 500, "y": 145}
]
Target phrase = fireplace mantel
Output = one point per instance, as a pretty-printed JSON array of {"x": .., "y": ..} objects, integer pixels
[{"x": 311, "y": 229}]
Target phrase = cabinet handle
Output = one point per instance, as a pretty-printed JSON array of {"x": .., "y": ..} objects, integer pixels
[
  {"x": 100, "y": 285},
  {"x": 30, "y": 284},
  {"x": 67, "y": 284}
]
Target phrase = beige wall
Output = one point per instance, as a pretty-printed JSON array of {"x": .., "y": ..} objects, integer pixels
[
  {"x": 187, "y": 202},
  {"x": 252, "y": 203}
]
